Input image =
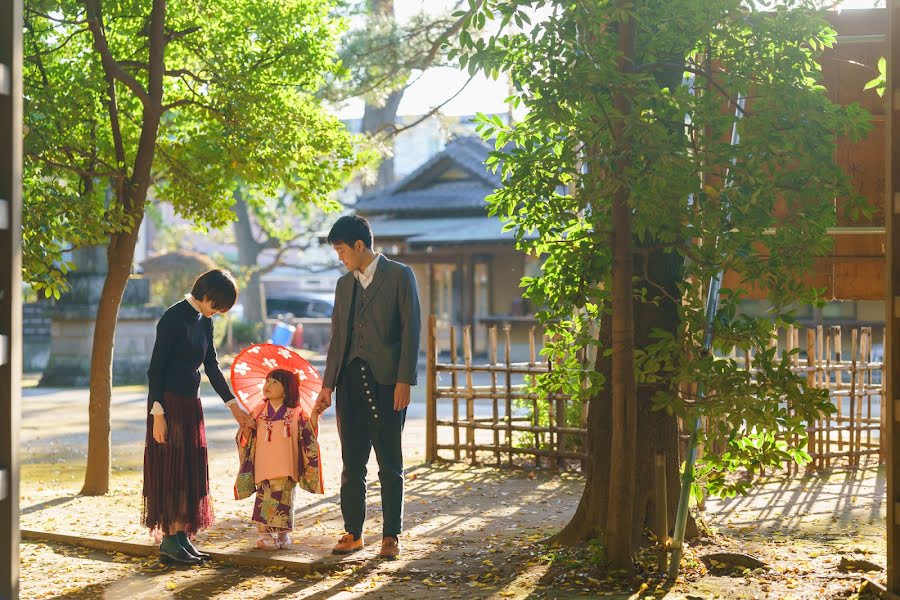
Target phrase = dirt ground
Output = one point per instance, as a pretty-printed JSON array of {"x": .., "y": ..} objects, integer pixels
[{"x": 471, "y": 532}]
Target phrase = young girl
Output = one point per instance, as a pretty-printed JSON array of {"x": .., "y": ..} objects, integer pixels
[
  {"x": 280, "y": 452},
  {"x": 176, "y": 474}
]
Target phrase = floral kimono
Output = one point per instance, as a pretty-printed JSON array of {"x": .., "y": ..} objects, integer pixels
[{"x": 281, "y": 453}]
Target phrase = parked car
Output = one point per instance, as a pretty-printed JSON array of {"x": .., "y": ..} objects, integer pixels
[{"x": 300, "y": 307}]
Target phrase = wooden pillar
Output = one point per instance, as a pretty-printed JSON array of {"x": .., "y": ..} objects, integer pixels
[
  {"x": 470, "y": 304},
  {"x": 432, "y": 291},
  {"x": 892, "y": 302},
  {"x": 430, "y": 392},
  {"x": 10, "y": 289}
]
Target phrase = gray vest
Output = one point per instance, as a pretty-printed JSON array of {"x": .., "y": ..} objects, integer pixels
[
  {"x": 356, "y": 348},
  {"x": 388, "y": 338}
]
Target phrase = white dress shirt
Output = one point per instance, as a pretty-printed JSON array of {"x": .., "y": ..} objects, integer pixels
[
  {"x": 157, "y": 407},
  {"x": 366, "y": 276}
]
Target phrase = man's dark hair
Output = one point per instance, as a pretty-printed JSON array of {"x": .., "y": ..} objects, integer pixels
[
  {"x": 349, "y": 229},
  {"x": 217, "y": 285}
]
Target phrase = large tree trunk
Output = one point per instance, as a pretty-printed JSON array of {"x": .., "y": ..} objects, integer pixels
[
  {"x": 589, "y": 521},
  {"x": 659, "y": 274},
  {"x": 379, "y": 121},
  {"x": 657, "y": 430},
  {"x": 120, "y": 255},
  {"x": 620, "y": 510},
  {"x": 624, "y": 402},
  {"x": 253, "y": 297}
]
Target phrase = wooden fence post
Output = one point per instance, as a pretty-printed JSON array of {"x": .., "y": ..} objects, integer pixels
[
  {"x": 535, "y": 407},
  {"x": 662, "y": 510},
  {"x": 811, "y": 428},
  {"x": 495, "y": 408},
  {"x": 430, "y": 396},
  {"x": 454, "y": 381},
  {"x": 855, "y": 433},
  {"x": 470, "y": 395},
  {"x": 507, "y": 329}
]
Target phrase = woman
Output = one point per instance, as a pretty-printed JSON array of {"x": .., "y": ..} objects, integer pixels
[{"x": 176, "y": 474}]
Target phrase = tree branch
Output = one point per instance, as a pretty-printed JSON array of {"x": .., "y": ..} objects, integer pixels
[
  {"x": 36, "y": 56},
  {"x": 190, "y": 102},
  {"x": 432, "y": 53},
  {"x": 43, "y": 15},
  {"x": 686, "y": 67},
  {"x": 81, "y": 172},
  {"x": 112, "y": 68},
  {"x": 156, "y": 60},
  {"x": 278, "y": 259},
  {"x": 394, "y": 130},
  {"x": 136, "y": 64},
  {"x": 171, "y": 36},
  {"x": 136, "y": 195},
  {"x": 109, "y": 70}
]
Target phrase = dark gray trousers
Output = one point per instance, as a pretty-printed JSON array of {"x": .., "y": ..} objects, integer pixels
[{"x": 366, "y": 419}]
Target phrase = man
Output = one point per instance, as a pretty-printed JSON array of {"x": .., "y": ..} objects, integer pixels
[{"x": 371, "y": 361}]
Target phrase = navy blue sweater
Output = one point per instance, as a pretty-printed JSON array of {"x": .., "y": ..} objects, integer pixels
[{"x": 184, "y": 341}]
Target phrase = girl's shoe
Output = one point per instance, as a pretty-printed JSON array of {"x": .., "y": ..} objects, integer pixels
[
  {"x": 264, "y": 541},
  {"x": 284, "y": 541}
]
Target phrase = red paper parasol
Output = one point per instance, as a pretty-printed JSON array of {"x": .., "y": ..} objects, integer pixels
[{"x": 252, "y": 366}]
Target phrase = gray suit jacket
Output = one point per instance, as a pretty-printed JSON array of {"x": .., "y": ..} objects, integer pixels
[{"x": 391, "y": 322}]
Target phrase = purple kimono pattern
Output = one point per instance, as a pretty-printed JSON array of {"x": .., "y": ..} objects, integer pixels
[{"x": 274, "y": 505}]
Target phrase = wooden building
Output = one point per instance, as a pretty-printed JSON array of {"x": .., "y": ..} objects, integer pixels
[
  {"x": 855, "y": 269},
  {"x": 435, "y": 219}
]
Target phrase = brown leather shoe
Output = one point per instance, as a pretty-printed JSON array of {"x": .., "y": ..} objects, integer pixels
[
  {"x": 347, "y": 545},
  {"x": 390, "y": 548}
]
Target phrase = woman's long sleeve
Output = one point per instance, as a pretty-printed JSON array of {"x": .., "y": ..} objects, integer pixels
[
  {"x": 213, "y": 372},
  {"x": 156, "y": 372}
]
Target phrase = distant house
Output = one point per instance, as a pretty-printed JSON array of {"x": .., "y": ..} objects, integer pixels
[{"x": 435, "y": 219}]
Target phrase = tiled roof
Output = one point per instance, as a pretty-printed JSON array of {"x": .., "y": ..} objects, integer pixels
[
  {"x": 436, "y": 231},
  {"x": 422, "y": 191},
  {"x": 441, "y": 198}
]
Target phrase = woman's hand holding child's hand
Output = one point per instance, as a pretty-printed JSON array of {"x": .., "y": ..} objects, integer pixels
[{"x": 243, "y": 419}]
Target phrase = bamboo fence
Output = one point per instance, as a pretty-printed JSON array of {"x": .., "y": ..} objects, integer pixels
[{"x": 486, "y": 410}]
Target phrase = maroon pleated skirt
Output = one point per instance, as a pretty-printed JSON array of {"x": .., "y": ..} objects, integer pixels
[{"x": 176, "y": 474}]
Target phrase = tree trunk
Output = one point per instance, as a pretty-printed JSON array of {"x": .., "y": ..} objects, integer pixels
[
  {"x": 120, "y": 255},
  {"x": 131, "y": 195},
  {"x": 253, "y": 297},
  {"x": 624, "y": 402},
  {"x": 658, "y": 430},
  {"x": 379, "y": 121},
  {"x": 589, "y": 521}
]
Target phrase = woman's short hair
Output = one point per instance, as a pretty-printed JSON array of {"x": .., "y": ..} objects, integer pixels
[
  {"x": 349, "y": 229},
  {"x": 217, "y": 285}
]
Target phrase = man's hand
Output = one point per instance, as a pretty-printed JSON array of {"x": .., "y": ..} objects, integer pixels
[
  {"x": 242, "y": 418},
  {"x": 401, "y": 396},
  {"x": 159, "y": 428},
  {"x": 323, "y": 401}
]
